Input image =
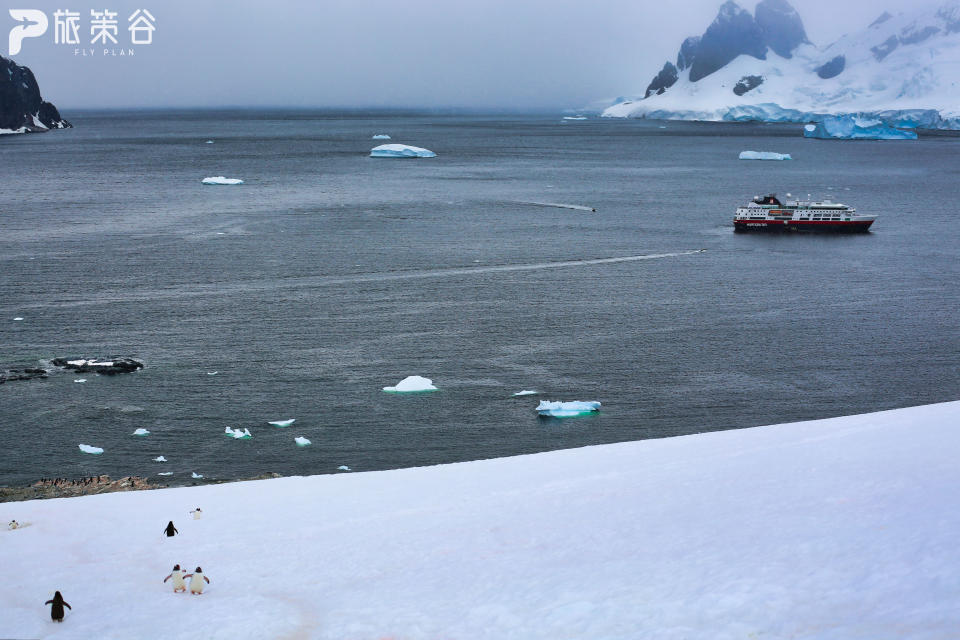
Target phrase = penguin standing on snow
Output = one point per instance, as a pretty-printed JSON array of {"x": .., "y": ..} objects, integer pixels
[
  {"x": 177, "y": 575},
  {"x": 13, "y": 525},
  {"x": 196, "y": 513},
  {"x": 56, "y": 611},
  {"x": 170, "y": 530},
  {"x": 196, "y": 581}
]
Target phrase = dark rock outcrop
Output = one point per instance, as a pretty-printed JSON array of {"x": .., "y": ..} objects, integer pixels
[
  {"x": 107, "y": 367},
  {"x": 21, "y": 106},
  {"x": 663, "y": 80},
  {"x": 885, "y": 48},
  {"x": 880, "y": 20},
  {"x": 734, "y": 32},
  {"x": 832, "y": 68},
  {"x": 687, "y": 53},
  {"x": 747, "y": 83},
  {"x": 781, "y": 26},
  {"x": 11, "y": 375}
]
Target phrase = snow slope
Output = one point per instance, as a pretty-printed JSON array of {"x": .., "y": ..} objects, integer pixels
[
  {"x": 910, "y": 61},
  {"x": 843, "y": 528}
]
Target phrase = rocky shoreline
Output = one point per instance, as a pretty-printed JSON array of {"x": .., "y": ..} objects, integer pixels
[{"x": 72, "y": 488}]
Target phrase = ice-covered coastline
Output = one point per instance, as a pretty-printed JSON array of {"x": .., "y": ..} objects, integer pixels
[{"x": 617, "y": 541}]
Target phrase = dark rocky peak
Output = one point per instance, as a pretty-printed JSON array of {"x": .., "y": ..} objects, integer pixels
[
  {"x": 663, "y": 80},
  {"x": 688, "y": 51},
  {"x": 21, "y": 106},
  {"x": 732, "y": 33},
  {"x": 781, "y": 25}
]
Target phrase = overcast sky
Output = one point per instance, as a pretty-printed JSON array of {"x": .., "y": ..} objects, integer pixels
[{"x": 508, "y": 54}]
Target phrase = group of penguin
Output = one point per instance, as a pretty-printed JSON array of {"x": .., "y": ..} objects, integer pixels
[{"x": 197, "y": 579}]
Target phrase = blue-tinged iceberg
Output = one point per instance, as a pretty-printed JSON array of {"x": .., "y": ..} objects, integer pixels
[
  {"x": 849, "y": 127},
  {"x": 549, "y": 409},
  {"x": 237, "y": 434},
  {"x": 86, "y": 448},
  {"x": 400, "y": 151},
  {"x": 764, "y": 155}
]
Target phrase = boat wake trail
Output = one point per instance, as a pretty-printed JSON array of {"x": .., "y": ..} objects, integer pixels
[{"x": 309, "y": 282}]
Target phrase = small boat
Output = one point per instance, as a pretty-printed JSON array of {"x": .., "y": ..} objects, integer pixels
[{"x": 768, "y": 213}]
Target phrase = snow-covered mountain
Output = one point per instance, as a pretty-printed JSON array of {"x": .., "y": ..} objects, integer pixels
[
  {"x": 22, "y": 109},
  {"x": 904, "y": 69}
]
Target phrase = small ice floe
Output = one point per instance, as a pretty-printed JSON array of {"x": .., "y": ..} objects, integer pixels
[
  {"x": 302, "y": 442},
  {"x": 412, "y": 384},
  {"x": 764, "y": 155},
  {"x": 209, "y": 142},
  {"x": 141, "y": 432},
  {"x": 283, "y": 423},
  {"x": 221, "y": 180},
  {"x": 381, "y": 136},
  {"x": 195, "y": 475},
  {"x": 663, "y": 127},
  {"x": 212, "y": 373},
  {"x": 159, "y": 459},
  {"x": 400, "y": 151},
  {"x": 237, "y": 433},
  {"x": 80, "y": 380},
  {"x": 165, "y": 473},
  {"x": 525, "y": 392},
  {"x": 86, "y": 448},
  {"x": 17, "y": 319},
  {"x": 572, "y": 409},
  {"x": 344, "y": 467},
  {"x": 574, "y": 117}
]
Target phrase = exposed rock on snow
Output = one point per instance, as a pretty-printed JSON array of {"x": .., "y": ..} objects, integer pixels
[
  {"x": 572, "y": 409},
  {"x": 107, "y": 367},
  {"x": 221, "y": 180},
  {"x": 29, "y": 373},
  {"x": 412, "y": 384},
  {"x": 764, "y": 155},
  {"x": 400, "y": 151}
]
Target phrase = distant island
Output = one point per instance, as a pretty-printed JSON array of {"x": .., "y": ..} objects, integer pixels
[{"x": 22, "y": 109}]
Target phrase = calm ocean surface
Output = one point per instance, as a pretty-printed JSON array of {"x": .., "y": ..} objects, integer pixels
[{"x": 329, "y": 275}]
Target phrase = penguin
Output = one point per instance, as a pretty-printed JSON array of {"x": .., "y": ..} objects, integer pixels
[
  {"x": 196, "y": 581},
  {"x": 56, "y": 611},
  {"x": 177, "y": 575},
  {"x": 170, "y": 530},
  {"x": 13, "y": 525},
  {"x": 196, "y": 513}
]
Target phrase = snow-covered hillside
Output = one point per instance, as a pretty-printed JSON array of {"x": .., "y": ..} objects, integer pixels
[
  {"x": 904, "y": 63},
  {"x": 842, "y": 528}
]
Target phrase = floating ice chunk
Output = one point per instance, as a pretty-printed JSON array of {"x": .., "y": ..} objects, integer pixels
[
  {"x": 283, "y": 423},
  {"x": 141, "y": 432},
  {"x": 302, "y": 442},
  {"x": 195, "y": 475},
  {"x": 381, "y": 136},
  {"x": 525, "y": 392},
  {"x": 221, "y": 180},
  {"x": 159, "y": 459},
  {"x": 567, "y": 409},
  {"x": 237, "y": 433},
  {"x": 412, "y": 384},
  {"x": 80, "y": 380},
  {"x": 849, "y": 127},
  {"x": 574, "y": 117},
  {"x": 764, "y": 155},
  {"x": 209, "y": 141},
  {"x": 212, "y": 373},
  {"x": 343, "y": 467},
  {"x": 400, "y": 151},
  {"x": 17, "y": 319},
  {"x": 86, "y": 448},
  {"x": 165, "y": 473}
]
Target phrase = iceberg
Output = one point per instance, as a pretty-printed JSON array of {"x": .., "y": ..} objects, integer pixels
[
  {"x": 141, "y": 432},
  {"x": 165, "y": 473},
  {"x": 343, "y": 467},
  {"x": 195, "y": 475},
  {"x": 525, "y": 392},
  {"x": 400, "y": 151},
  {"x": 88, "y": 449},
  {"x": 212, "y": 373},
  {"x": 283, "y": 423},
  {"x": 159, "y": 459},
  {"x": 381, "y": 136},
  {"x": 237, "y": 433},
  {"x": 301, "y": 441},
  {"x": 764, "y": 155},
  {"x": 850, "y": 127},
  {"x": 574, "y": 117},
  {"x": 412, "y": 384},
  {"x": 209, "y": 141},
  {"x": 221, "y": 180},
  {"x": 17, "y": 319},
  {"x": 572, "y": 409},
  {"x": 80, "y": 380}
]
